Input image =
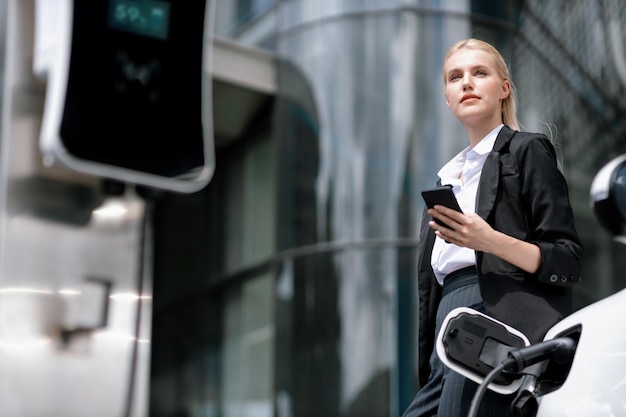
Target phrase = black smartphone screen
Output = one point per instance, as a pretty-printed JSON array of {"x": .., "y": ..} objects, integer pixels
[{"x": 443, "y": 196}]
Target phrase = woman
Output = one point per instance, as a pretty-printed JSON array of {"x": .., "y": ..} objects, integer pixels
[{"x": 514, "y": 252}]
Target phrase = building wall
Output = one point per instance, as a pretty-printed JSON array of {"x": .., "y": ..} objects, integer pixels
[{"x": 302, "y": 302}]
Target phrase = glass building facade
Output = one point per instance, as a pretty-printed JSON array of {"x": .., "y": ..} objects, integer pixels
[{"x": 287, "y": 287}]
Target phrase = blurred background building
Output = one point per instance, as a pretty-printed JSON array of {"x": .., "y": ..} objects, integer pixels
[
  {"x": 308, "y": 231},
  {"x": 287, "y": 286}
]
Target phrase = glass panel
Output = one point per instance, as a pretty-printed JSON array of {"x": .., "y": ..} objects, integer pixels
[
  {"x": 569, "y": 70},
  {"x": 248, "y": 9},
  {"x": 183, "y": 378},
  {"x": 383, "y": 126},
  {"x": 250, "y": 202},
  {"x": 362, "y": 127},
  {"x": 259, "y": 201},
  {"x": 248, "y": 21},
  {"x": 247, "y": 349},
  {"x": 299, "y": 12},
  {"x": 338, "y": 320}
]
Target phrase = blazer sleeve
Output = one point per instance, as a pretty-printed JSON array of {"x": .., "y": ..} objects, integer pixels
[
  {"x": 549, "y": 214},
  {"x": 429, "y": 292}
]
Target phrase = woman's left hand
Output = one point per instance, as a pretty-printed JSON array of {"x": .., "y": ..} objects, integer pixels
[
  {"x": 466, "y": 230},
  {"x": 472, "y": 231}
]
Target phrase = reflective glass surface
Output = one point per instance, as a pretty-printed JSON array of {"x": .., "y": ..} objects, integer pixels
[{"x": 323, "y": 212}]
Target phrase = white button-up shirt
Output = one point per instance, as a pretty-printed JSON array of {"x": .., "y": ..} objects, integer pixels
[{"x": 463, "y": 173}]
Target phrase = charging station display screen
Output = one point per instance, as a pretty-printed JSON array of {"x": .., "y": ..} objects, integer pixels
[
  {"x": 135, "y": 102},
  {"x": 144, "y": 17}
]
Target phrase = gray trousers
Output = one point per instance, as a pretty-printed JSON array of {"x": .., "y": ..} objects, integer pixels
[{"x": 447, "y": 393}]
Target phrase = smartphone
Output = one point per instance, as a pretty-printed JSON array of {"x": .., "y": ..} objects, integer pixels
[{"x": 443, "y": 196}]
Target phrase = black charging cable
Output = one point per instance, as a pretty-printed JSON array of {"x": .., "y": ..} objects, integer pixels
[
  {"x": 559, "y": 350},
  {"x": 151, "y": 197}
]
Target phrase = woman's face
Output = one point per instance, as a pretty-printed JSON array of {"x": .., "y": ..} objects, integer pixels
[{"x": 474, "y": 91}]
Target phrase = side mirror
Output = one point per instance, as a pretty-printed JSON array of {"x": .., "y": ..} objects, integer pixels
[{"x": 608, "y": 197}]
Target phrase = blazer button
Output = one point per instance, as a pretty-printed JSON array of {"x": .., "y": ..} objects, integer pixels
[
  {"x": 553, "y": 278},
  {"x": 563, "y": 279}
]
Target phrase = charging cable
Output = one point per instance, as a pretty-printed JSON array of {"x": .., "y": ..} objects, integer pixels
[{"x": 559, "y": 350}]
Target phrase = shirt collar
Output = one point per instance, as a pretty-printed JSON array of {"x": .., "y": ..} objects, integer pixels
[
  {"x": 486, "y": 144},
  {"x": 451, "y": 171}
]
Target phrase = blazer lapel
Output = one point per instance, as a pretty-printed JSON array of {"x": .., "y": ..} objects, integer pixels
[
  {"x": 490, "y": 176},
  {"x": 488, "y": 185}
]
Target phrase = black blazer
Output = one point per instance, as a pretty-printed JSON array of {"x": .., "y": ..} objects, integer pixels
[{"x": 521, "y": 193}]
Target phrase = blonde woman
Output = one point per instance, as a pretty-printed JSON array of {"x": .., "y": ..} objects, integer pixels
[{"x": 514, "y": 252}]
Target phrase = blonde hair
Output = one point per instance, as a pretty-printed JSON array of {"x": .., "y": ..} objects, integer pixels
[{"x": 509, "y": 104}]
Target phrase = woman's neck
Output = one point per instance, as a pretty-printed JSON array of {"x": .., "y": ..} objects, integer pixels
[{"x": 476, "y": 133}]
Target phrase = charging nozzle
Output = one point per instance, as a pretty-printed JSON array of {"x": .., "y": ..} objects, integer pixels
[{"x": 558, "y": 350}]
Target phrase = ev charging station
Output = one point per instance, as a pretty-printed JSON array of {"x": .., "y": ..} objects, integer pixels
[
  {"x": 129, "y": 91},
  {"x": 91, "y": 90}
]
